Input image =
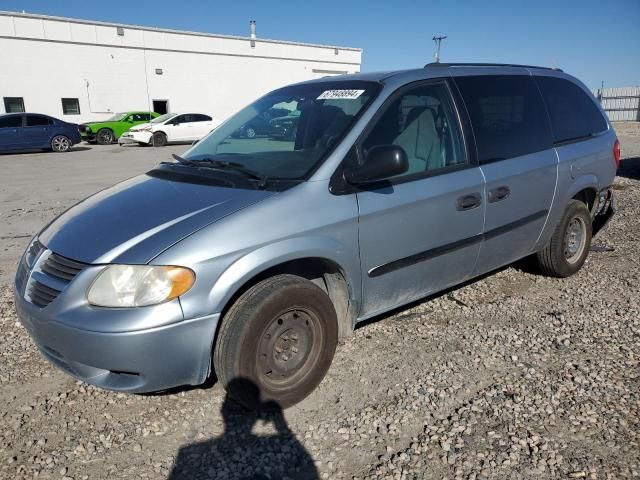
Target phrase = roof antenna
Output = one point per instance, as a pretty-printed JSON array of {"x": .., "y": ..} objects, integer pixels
[{"x": 438, "y": 40}]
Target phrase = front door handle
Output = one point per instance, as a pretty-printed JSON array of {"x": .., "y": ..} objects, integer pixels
[
  {"x": 498, "y": 193},
  {"x": 469, "y": 201}
]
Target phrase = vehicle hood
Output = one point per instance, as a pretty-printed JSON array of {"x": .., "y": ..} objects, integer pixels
[
  {"x": 140, "y": 126},
  {"x": 138, "y": 219},
  {"x": 98, "y": 122}
]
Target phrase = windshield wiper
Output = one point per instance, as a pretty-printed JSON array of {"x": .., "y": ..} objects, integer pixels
[{"x": 211, "y": 163}]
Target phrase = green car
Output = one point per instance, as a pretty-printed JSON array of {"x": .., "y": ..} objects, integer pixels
[{"x": 108, "y": 131}]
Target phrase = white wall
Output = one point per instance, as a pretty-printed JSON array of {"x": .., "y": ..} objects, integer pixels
[{"x": 44, "y": 59}]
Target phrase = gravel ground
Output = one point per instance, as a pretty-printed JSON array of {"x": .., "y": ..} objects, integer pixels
[{"x": 512, "y": 376}]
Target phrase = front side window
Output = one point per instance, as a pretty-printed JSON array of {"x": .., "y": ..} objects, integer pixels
[
  {"x": 573, "y": 113},
  {"x": 12, "y": 121},
  {"x": 70, "y": 106},
  {"x": 37, "y": 121},
  {"x": 13, "y": 104},
  {"x": 423, "y": 122},
  {"x": 311, "y": 119},
  {"x": 507, "y": 115}
]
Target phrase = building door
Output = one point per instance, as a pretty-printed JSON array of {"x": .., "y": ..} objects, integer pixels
[{"x": 161, "y": 106}]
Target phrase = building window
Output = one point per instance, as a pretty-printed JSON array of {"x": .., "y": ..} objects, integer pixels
[
  {"x": 70, "y": 106},
  {"x": 13, "y": 104}
]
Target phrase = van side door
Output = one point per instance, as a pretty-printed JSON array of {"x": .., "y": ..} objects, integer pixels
[
  {"x": 516, "y": 156},
  {"x": 420, "y": 231}
]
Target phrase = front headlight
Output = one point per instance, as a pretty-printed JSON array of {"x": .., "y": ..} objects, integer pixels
[
  {"x": 139, "y": 285},
  {"x": 148, "y": 129}
]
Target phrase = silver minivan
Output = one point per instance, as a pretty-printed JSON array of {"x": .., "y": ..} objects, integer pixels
[{"x": 251, "y": 257}]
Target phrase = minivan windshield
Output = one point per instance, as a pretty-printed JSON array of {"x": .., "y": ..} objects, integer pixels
[
  {"x": 286, "y": 133},
  {"x": 162, "y": 118}
]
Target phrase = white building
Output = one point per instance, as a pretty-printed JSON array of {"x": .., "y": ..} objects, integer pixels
[{"x": 81, "y": 70}]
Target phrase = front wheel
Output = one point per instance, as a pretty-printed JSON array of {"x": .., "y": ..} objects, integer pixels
[
  {"x": 569, "y": 246},
  {"x": 105, "y": 137},
  {"x": 279, "y": 337},
  {"x": 250, "y": 132},
  {"x": 60, "y": 143},
  {"x": 159, "y": 139}
]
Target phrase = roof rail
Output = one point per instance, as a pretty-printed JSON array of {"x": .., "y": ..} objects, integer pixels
[{"x": 433, "y": 64}]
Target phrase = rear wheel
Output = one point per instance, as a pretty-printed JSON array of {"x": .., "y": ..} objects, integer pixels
[
  {"x": 105, "y": 137},
  {"x": 569, "y": 246},
  {"x": 60, "y": 143},
  {"x": 159, "y": 139},
  {"x": 279, "y": 336}
]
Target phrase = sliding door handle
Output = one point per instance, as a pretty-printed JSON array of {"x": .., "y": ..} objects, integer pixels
[
  {"x": 498, "y": 193},
  {"x": 467, "y": 202}
]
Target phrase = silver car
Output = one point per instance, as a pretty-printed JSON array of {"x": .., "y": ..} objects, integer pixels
[{"x": 251, "y": 257}]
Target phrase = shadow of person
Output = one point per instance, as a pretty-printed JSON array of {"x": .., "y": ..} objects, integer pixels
[{"x": 239, "y": 453}]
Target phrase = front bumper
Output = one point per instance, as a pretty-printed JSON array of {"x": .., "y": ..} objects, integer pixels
[
  {"x": 140, "y": 136},
  {"x": 80, "y": 340},
  {"x": 88, "y": 136}
]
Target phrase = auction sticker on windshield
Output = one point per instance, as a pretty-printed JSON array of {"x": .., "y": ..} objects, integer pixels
[{"x": 340, "y": 94}]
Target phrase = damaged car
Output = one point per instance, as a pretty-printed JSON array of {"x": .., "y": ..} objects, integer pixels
[{"x": 251, "y": 259}]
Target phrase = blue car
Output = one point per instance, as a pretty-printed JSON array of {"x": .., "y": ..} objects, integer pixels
[{"x": 29, "y": 131}]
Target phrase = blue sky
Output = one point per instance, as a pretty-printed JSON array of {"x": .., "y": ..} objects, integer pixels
[{"x": 596, "y": 40}]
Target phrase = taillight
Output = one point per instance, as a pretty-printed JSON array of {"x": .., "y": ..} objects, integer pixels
[{"x": 616, "y": 153}]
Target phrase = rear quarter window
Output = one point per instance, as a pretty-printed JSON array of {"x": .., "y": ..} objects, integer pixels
[
  {"x": 573, "y": 113},
  {"x": 507, "y": 115}
]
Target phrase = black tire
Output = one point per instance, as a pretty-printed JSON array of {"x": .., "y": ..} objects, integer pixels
[
  {"x": 159, "y": 139},
  {"x": 105, "y": 136},
  {"x": 250, "y": 132},
  {"x": 60, "y": 143},
  {"x": 279, "y": 337},
  {"x": 569, "y": 245}
]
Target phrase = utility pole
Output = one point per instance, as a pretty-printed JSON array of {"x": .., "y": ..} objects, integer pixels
[{"x": 438, "y": 40}]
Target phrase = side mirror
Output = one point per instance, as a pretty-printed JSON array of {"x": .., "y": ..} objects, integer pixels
[{"x": 383, "y": 161}]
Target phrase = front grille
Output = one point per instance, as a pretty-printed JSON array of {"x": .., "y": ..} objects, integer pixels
[
  {"x": 21, "y": 276},
  {"x": 41, "y": 295},
  {"x": 61, "y": 267},
  {"x": 56, "y": 273}
]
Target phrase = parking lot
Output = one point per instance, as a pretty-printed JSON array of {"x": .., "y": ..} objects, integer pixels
[{"x": 514, "y": 375}]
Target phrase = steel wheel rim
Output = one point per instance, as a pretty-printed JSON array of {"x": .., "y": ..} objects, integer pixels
[
  {"x": 574, "y": 239},
  {"x": 289, "y": 344},
  {"x": 61, "y": 144}
]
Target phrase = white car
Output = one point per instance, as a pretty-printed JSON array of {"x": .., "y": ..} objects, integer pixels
[{"x": 171, "y": 127}]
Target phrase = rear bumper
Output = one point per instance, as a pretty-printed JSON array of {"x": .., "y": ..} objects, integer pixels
[
  {"x": 605, "y": 211},
  {"x": 137, "y": 361}
]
